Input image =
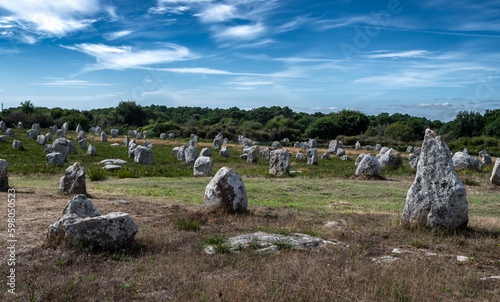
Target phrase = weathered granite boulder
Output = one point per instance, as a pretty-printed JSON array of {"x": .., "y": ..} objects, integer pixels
[
  {"x": 253, "y": 154},
  {"x": 81, "y": 223},
  {"x": 413, "y": 158},
  {"x": 312, "y": 143},
  {"x": 20, "y": 125},
  {"x": 60, "y": 133},
  {"x": 279, "y": 162},
  {"x": 391, "y": 159},
  {"x": 41, "y": 140},
  {"x": 495, "y": 173},
  {"x": 31, "y": 134},
  {"x": 81, "y": 135},
  {"x": 73, "y": 181},
  {"x": 92, "y": 130},
  {"x": 126, "y": 141},
  {"x": 131, "y": 149},
  {"x": 378, "y": 147},
  {"x": 114, "y": 133},
  {"x": 245, "y": 149},
  {"x": 485, "y": 158},
  {"x": 132, "y": 133},
  {"x": 226, "y": 191},
  {"x": 48, "y": 148},
  {"x": 171, "y": 135},
  {"x": 409, "y": 149},
  {"x": 300, "y": 157},
  {"x": 175, "y": 150},
  {"x": 113, "y": 161},
  {"x": 359, "y": 159},
  {"x": 98, "y": 130},
  {"x": 82, "y": 143},
  {"x": 340, "y": 152},
  {"x": 9, "y": 132},
  {"x": 334, "y": 145},
  {"x": 37, "y": 128},
  {"x": 266, "y": 152},
  {"x": 65, "y": 128},
  {"x": 312, "y": 156},
  {"x": 163, "y": 136},
  {"x": 191, "y": 143},
  {"x": 296, "y": 145},
  {"x": 220, "y": 137},
  {"x": 78, "y": 128},
  {"x": 325, "y": 155},
  {"x": 190, "y": 154},
  {"x": 368, "y": 148},
  {"x": 205, "y": 152},
  {"x": 196, "y": 139},
  {"x": 304, "y": 146},
  {"x": 285, "y": 142},
  {"x": 145, "y": 134},
  {"x": 112, "y": 167},
  {"x": 138, "y": 136},
  {"x": 357, "y": 146},
  {"x": 144, "y": 155},
  {"x": 369, "y": 166},
  {"x": 383, "y": 150},
  {"x": 462, "y": 160},
  {"x": 224, "y": 152},
  {"x": 55, "y": 158},
  {"x": 217, "y": 144},
  {"x": 276, "y": 145},
  {"x": 104, "y": 137},
  {"x": 437, "y": 197},
  {"x": 181, "y": 153},
  {"x": 203, "y": 166},
  {"x": 4, "y": 177},
  {"x": 92, "y": 151},
  {"x": 3, "y": 139},
  {"x": 48, "y": 136},
  {"x": 18, "y": 145}
]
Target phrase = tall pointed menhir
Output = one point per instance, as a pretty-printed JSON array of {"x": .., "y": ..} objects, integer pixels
[{"x": 437, "y": 197}]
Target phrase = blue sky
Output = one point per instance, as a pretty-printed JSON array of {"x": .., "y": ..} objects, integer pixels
[{"x": 426, "y": 58}]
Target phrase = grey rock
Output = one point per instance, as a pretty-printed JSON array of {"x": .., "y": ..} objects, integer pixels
[
  {"x": 82, "y": 143},
  {"x": 145, "y": 134},
  {"x": 81, "y": 222},
  {"x": 104, "y": 137},
  {"x": 37, "y": 128},
  {"x": 55, "y": 158},
  {"x": 276, "y": 145},
  {"x": 334, "y": 145},
  {"x": 409, "y": 149},
  {"x": 462, "y": 160},
  {"x": 304, "y": 146},
  {"x": 357, "y": 146},
  {"x": 18, "y": 145},
  {"x": 368, "y": 148},
  {"x": 2, "y": 125},
  {"x": 300, "y": 157},
  {"x": 92, "y": 130},
  {"x": 325, "y": 155},
  {"x": 92, "y": 151},
  {"x": 31, "y": 134},
  {"x": 3, "y": 139},
  {"x": 383, "y": 150},
  {"x": 81, "y": 135},
  {"x": 196, "y": 138},
  {"x": 285, "y": 142},
  {"x": 495, "y": 173},
  {"x": 245, "y": 149},
  {"x": 65, "y": 128},
  {"x": 253, "y": 154},
  {"x": 266, "y": 152},
  {"x": 48, "y": 148},
  {"x": 113, "y": 161},
  {"x": 219, "y": 137},
  {"x": 126, "y": 141},
  {"x": 205, "y": 152},
  {"x": 340, "y": 152},
  {"x": 312, "y": 143},
  {"x": 224, "y": 152},
  {"x": 191, "y": 143},
  {"x": 359, "y": 159},
  {"x": 378, "y": 147},
  {"x": 73, "y": 181},
  {"x": 171, "y": 135},
  {"x": 98, "y": 130},
  {"x": 203, "y": 166},
  {"x": 48, "y": 136},
  {"x": 296, "y": 145},
  {"x": 78, "y": 128},
  {"x": 60, "y": 133},
  {"x": 217, "y": 144},
  {"x": 114, "y": 133},
  {"x": 391, "y": 159},
  {"x": 437, "y": 197},
  {"x": 131, "y": 149},
  {"x": 180, "y": 153},
  {"x": 20, "y": 125},
  {"x": 112, "y": 167},
  {"x": 344, "y": 157},
  {"x": 72, "y": 148},
  {"x": 4, "y": 177},
  {"x": 312, "y": 156},
  {"x": 279, "y": 162},
  {"x": 163, "y": 136},
  {"x": 61, "y": 145},
  {"x": 138, "y": 136},
  {"x": 190, "y": 154},
  {"x": 369, "y": 165},
  {"x": 225, "y": 140},
  {"x": 226, "y": 191},
  {"x": 244, "y": 156},
  {"x": 9, "y": 132},
  {"x": 143, "y": 155},
  {"x": 41, "y": 140},
  {"x": 485, "y": 158},
  {"x": 53, "y": 129}
]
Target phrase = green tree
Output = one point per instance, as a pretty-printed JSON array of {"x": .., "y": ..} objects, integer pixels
[
  {"x": 131, "y": 113},
  {"x": 400, "y": 131},
  {"x": 27, "y": 107}
]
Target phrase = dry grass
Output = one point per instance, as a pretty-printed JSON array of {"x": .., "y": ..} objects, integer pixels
[{"x": 167, "y": 262}]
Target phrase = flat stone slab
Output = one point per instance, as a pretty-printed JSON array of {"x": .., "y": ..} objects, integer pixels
[
  {"x": 266, "y": 242},
  {"x": 116, "y": 144},
  {"x": 384, "y": 259},
  {"x": 111, "y": 167},
  {"x": 121, "y": 202},
  {"x": 112, "y": 162}
]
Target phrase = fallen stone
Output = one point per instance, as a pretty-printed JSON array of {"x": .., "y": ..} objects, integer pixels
[
  {"x": 385, "y": 259},
  {"x": 115, "y": 145},
  {"x": 113, "y": 161},
  {"x": 112, "y": 167}
]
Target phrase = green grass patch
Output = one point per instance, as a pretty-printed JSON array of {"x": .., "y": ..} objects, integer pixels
[
  {"x": 97, "y": 174},
  {"x": 187, "y": 224}
]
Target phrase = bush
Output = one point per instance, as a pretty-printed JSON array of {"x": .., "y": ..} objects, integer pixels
[
  {"x": 97, "y": 173},
  {"x": 400, "y": 131}
]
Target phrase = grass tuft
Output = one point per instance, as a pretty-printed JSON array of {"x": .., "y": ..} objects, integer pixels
[
  {"x": 187, "y": 224},
  {"x": 97, "y": 174}
]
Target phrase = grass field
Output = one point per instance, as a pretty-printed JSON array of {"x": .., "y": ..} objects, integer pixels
[{"x": 167, "y": 262}]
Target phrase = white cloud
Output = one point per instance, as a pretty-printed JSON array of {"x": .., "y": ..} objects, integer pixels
[
  {"x": 242, "y": 32},
  {"x": 217, "y": 13},
  {"x": 402, "y": 54},
  {"x": 59, "y": 82},
  {"x": 118, "y": 34},
  {"x": 125, "y": 57},
  {"x": 201, "y": 70},
  {"x": 50, "y": 18}
]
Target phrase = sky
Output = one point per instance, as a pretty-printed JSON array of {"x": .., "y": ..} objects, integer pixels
[{"x": 430, "y": 58}]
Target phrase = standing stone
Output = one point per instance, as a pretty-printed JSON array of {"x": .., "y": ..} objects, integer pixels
[
  {"x": 37, "y": 128},
  {"x": 18, "y": 145},
  {"x": 279, "y": 162},
  {"x": 3, "y": 139},
  {"x": 61, "y": 145},
  {"x": 296, "y": 145},
  {"x": 41, "y": 140},
  {"x": 391, "y": 159},
  {"x": 495, "y": 173},
  {"x": 276, "y": 145},
  {"x": 383, "y": 150},
  {"x": 9, "y": 132},
  {"x": 191, "y": 154},
  {"x": 92, "y": 130},
  {"x": 413, "y": 158},
  {"x": 65, "y": 128},
  {"x": 2, "y": 125},
  {"x": 312, "y": 156},
  {"x": 217, "y": 144},
  {"x": 369, "y": 165},
  {"x": 72, "y": 148},
  {"x": 357, "y": 146},
  {"x": 203, "y": 166},
  {"x": 253, "y": 154},
  {"x": 104, "y": 137},
  {"x": 340, "y": 152},
  {"x": 98, "y": 130},
  {"x": 31, "y": 134},
  {"x": 82, "y": 143},
  {"x": 437, "y": 197},
  {"x": 286, "y": 142},
  {"x": 81, "y": 135},
  {"x": 368, "y": 148},
  {"x": 73, "y": 181},
  {"x": 219, "y": 137},
  {"x": 20, "y": 125},
  {"x": 325, "y": 155},
  {"x": 359, "y": 159},
  {"x": 225, "y": 140},
  {"x": 304, "y": 146},
  {"x": 300, "y": 157},
  {"x": 171, "y": 135},
  {"x": 78, "y": 128},
  {"x": 4, "y": 177},
  {"x": 462, "y": 160},
  {"x": 138, "y": 136},
  {"x": 144, "y": 155},
  {"x": 312, "y": 143},
  {"x": 114, "y": 133},
  {"x": 266, "y": 153},
  {"x": 378, "y": 147},
  {"x": 226, "y": 191},
  {"x": 131, "y": 149},
  {"x": 224, "y": 152},
  {"x": 191, "y": 143},
  {"x": 55, "y": 158},
  {"x": 126, "y": 141},
  {"x": 409, "y": 149},
  {"x": 334, "y": 145},
  {"x": 48, "y": 148},
  {"x": 92, "y": 151},
  {"x": 163, "y": 136},
  {"x": 486, "y": 158},
  {"x": 145, "y": 134},
  {"x": 205, "y": 152},
  {"x": 344, "y": 157},
  {"x": 181, "y": 153},
  {"x": 132, "y": 133},
  {"x": 196, "y": 139},
  {"x": 60, "y": 133},
  {"x": 48, "y": 136}
]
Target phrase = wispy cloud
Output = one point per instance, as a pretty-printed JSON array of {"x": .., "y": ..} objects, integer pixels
[
  {"x": 242, "y": 32},
  {"x": 217, "y": 13},
  {"x": 402, "y": 54},
  {"x": 60, "y": 82},
  {"x": 126, "y": 57},
  {"x": 428, "y": 106},
  {"x": 117, "y": 35}
]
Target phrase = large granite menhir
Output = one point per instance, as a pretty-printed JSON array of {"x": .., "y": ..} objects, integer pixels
[{"x": 437, "y": 197}]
